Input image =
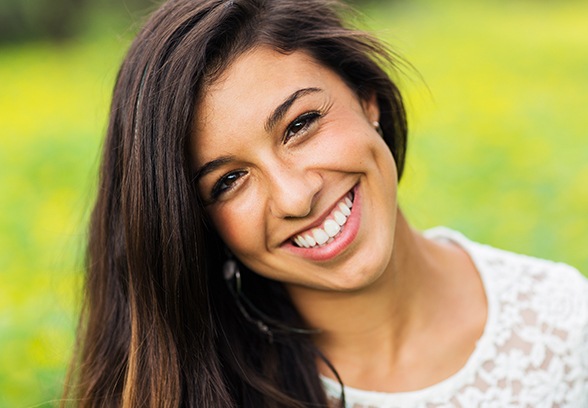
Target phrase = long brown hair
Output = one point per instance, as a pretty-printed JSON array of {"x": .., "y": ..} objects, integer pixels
[{"x": 159, "y": 327}]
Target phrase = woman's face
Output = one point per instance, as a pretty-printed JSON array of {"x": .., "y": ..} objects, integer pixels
[{"x": 297, "y": 181}]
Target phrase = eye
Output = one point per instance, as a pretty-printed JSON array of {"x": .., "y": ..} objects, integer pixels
[
  {"x": 300, "y": 125},
  {"x": 226, "y": 183}
]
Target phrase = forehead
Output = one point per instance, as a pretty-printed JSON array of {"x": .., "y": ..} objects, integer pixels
[
  {"x": 250, "y": 88},
  {"x": 258, "y": 71}
]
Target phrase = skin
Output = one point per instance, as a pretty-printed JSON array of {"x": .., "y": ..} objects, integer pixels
[{"x": 381, "y": 299}]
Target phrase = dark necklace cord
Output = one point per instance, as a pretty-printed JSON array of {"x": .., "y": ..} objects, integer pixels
[
  {"x": 266, "y": 324},
  {"x": 334, "y": 371}
]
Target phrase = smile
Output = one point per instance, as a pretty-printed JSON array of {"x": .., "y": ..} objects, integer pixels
[{"x": 331, "y": 227}]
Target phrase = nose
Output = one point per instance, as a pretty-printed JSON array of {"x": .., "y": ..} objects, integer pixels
[{"x": 292, "y": 191}]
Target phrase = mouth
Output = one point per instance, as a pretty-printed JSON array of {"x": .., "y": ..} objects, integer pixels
[{"x": 331, "y": 227}]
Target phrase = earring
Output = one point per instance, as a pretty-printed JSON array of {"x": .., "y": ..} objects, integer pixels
[
  {"x": 378, "y": 128},
  {"x": 231, "y": 273}
]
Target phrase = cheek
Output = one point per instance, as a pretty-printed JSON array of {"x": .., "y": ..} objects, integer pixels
[
  {"x": 384, "y": 160},
  {"x": 355, "y": 148},
  {"x": 240, "y": 224}
]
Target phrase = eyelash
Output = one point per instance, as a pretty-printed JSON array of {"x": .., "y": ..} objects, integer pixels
[
  {"x": 307, "y": 119},
  {"x": 218, "y": 190}
]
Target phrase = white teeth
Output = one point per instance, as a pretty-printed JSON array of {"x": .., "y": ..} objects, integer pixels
[
  {"x": 302, "y": 242},
  {"x": 344, "y": 209},
  {"x": 339, "y": 217},
  {"x": 297, "y": 241},
  {"x": 331, "y": 228},
  {"x": 320, "y": 236},
  {"x": 309, "y": 240}
]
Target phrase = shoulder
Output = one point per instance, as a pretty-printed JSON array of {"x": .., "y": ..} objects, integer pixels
[
  {"x": 502, "y": 270},
  {"x": 537, "y": 324},
  {"x": 552, "y": 294},
  {"x": 538, "y": 299},
  {"x": 556, "y": 291},
  {"x": 530, "y": 295}
]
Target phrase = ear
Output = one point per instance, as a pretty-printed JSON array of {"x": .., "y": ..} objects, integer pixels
[{"x": 370, "y": 107}]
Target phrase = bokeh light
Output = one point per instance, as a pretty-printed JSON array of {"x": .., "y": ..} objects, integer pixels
[{"x": 498, "y": 150}]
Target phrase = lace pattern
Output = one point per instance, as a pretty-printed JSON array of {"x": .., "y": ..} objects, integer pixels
[{"x": 534, "y": 349}]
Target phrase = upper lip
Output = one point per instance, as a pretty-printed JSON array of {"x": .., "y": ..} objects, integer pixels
[{"x": 320, "y": 219}]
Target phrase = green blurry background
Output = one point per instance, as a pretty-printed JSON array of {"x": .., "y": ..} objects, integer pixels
[{"x": 498, "y": 146}]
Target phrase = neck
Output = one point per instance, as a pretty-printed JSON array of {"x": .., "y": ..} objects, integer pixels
[
  {"x": 375, "y": 328},
  {"x": 387, "y": 304}
]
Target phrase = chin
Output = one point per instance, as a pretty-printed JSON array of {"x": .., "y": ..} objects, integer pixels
[{"x": 359, "y": 279}]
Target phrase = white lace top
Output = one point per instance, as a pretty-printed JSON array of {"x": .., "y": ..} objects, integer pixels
[{"x": 534, "y": 348}]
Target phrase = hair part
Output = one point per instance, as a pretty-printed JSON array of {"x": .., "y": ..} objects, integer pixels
[{"x": 159, "y": 327}]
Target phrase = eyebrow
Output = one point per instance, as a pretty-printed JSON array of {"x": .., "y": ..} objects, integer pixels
[
  {"x": 270, "y": 123},
  {"x": 212, "y": 166},
  {"x": 281, "y": 110}
]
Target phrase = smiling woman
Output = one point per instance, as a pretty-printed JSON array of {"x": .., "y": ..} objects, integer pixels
[
  {"x": 247, "y": 248},
  {"x": 304, "y": 152}
]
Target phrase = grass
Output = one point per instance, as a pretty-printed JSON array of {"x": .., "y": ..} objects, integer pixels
[
  {"x": 498, "y": 150},
  {"x": 54, "y": 102},
  {"x": 498, "y": 134}
]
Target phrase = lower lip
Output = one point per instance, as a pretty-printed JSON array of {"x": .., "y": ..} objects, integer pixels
[{"x": 340, "y": 242}]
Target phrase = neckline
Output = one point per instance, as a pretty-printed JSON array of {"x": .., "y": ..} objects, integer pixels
[{"x": 449, "y": 385}]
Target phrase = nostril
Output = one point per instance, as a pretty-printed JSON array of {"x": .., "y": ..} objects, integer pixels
[
  {"x": 293, "y": 190},
  {"x": 292, "y": 203}
]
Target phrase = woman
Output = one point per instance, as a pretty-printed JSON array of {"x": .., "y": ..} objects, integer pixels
[{"x": 247, "y": 249}]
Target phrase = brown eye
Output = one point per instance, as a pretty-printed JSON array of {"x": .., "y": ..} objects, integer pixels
[
  {"x": 226, "y": 182},
  {"x": 300, "y": 125}
]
